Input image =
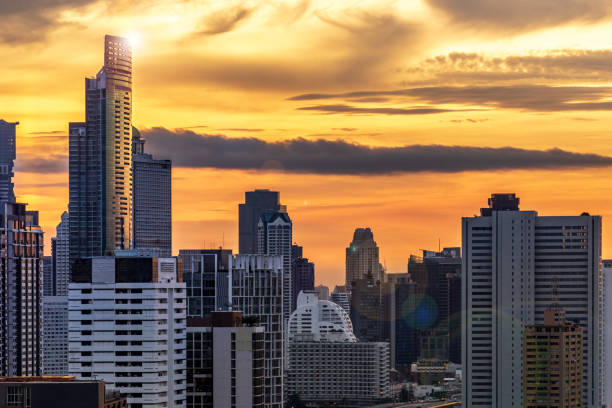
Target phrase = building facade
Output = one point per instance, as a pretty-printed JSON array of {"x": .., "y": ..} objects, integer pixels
[
  {"x": 152, "y": 195},
  {"x": 256, "y": 290},
  {"x": 127, "y": 326},
  {"x": 341, "y": 296},
  {"x": 225, "y": 362},
  {"x": 302, "y": 278},
  {"x": 606, "y": 267},
  {"x": 48, "y": 274},
  {"x": 60, "y": 250},
  {"x": 372, "y": 311},
  {"x": 511, "y": 259},
  {"x": 55, "y": 335},
  {"x": 322, "y": 292},
  {"x": 255, "y": 204},
  {"x": 362, "y": 257},
  {"x": 100, "y": 159},
  {"x": 8, "y": 154},
  {"x": 21, "y": 266}
]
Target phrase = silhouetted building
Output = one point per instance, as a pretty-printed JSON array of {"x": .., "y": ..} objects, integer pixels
[
  {"x": 372, "y": 311},
  {"x": 48, "y": 274},
  {"x": 225, "y": 362},
  {"x": 407, "y": 302},
  {"x": 57, "y": 392},
  {"x": 206, "y": 275},
  {"x": 100, "y": 161},
  {"x": 255, "y": 204},
  {"x": 152, "y": 194},
  {"x": 302, "y": 274},
  {"x": 362, "y": 257},
  {"x": 21, "y": 286},
  {"x": 60, "y": 249},
  {"x": 8, "y": 154}
]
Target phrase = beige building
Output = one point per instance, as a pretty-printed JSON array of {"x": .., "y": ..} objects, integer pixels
[{"x": 362, "y": 257}]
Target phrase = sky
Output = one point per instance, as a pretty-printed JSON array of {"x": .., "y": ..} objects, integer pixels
[{"x": 401, "y": 116}]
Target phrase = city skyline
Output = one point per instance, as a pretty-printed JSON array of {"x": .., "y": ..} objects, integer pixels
[{"x": 441, "y": 83}]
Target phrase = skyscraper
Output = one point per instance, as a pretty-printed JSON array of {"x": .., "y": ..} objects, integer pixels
[
  {"x": 100, "y": 161},
  {"x": 511, "y": 261},
  {"x": 362, "y": 257},
  {"x": 48, "y": 274},
  {"x": 249, "y": 212},
  {"x": 55, "y": 335},
  {"x": 274, "y": 237},
  {"x": 152, "y": 195},
  {"x": 61, "y": 256},
  {"x": 606, "y": 268},
  {"x": 21, "y": 288},
  {"x": 302, "y": 274},
  {"x": 7, "y": 157}
]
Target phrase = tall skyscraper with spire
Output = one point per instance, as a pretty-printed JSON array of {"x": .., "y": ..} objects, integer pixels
[
  {"x": 7, "y": 157},
  {"x": 100, "y": 161}
]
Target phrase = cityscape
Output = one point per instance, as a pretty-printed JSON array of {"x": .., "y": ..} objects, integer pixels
[{"x": 112, "y": 305}]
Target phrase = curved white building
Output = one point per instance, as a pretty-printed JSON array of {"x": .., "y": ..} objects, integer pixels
[{"x": 319, "y": 320}]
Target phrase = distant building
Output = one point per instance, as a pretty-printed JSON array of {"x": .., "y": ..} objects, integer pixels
[
  {"x": 552, "y": 362},
  {"x": 322, "y": 292},
  {"x": 152, "y": 195},
  {"x": 127, "y": 327},
  {"x": 48, "y": 274},
  {"x": 341, "y": 296},
  {"x": 8, "y": 154},
  {"x": 100, "y": 162},
  {"x": 607, "y": 329},
  {"x": 55, "y": 335},
  {"x": 225, "y": 362},
  {"x": 302, "y": 274},
  {"x": 406, "y": 311},
  {"x": 21, "y": 268},
  {"x": 274, "y": 237},
  {"x": 57, "y": 392},
  {"x": 362, "y": 257},
  {"x": 326, "y": 363},
  {"x": 372, "y": 311},
  {"x": 206, "y": 275},
  {"x": 61, "y": 256},
  {"x": 255, "y": 204}
]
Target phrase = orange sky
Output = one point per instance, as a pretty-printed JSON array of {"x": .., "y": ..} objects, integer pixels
[{"x": 519, "y": 75}]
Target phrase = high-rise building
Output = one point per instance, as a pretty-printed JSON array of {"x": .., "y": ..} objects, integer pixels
[
  {"x": 511, "y": 261},
  {"x": 127, "y": 326},
  {"x": 372, "y": 311},
  {"x": 225, "y": 362},
  {"x": 257, "y": 291},
  {"x": 362, "y": 257},
  {"x": 606, "y": 267},
  {"x": 274, "y": 237},
  {"x": 48, "y": 274},
  {"x": 302, "y": 278},
  {"x": 341, "y": 296},
  {"x": 552, "y": 362},
  {"x": 326, "y": 363},
  {"x": 8, "y": 154},
  {"x": 100, "y": 160},
  {"x": 255, "y": 204},
  {"x": 322, "y": 292},
  {"x": 206, "y": 275},
  {"x": 61, "y": 256},
  {"x": 21, "y": 289},
  {"x": 152, "y": 195},
  {"x": 55, "y": 335}
]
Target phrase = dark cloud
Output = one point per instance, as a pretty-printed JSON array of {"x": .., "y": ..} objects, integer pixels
[
  {"x": 52, "y": 163},
  {"x": 241, "y": 130},
  {"x": 224, "y": 21},
  {"x": 380, "y": 111},
  {"x": 188, "y": 149},
  {"x": 521, "y": 15},
  {"x": 539, "y": 98}
]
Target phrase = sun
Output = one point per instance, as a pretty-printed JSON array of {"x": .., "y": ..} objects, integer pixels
[{"x": 134, "y": 39}]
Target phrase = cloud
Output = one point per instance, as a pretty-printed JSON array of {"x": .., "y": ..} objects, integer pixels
[
  {"x": 188, "y": 149},
  {"x": 540, "y": 98},
  {"x": 381, "y": 111},
  {"x": 224, "y": 21},
  {"x": 522, "y": 15},
  {"x": 52, "y": 163}
]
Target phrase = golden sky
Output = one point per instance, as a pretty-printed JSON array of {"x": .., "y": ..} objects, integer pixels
[{"x": 370, "y": 77}]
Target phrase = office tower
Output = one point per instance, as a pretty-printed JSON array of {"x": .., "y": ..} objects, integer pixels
[
  {"x": 407, "y": 303},
  {"x": 255, "y": 204},
  {"x": 127, "y": 327},
  {"x": 302, "y": 274},
  {"x": 274, "y": 237},
  {"x": 433, "y": 275},
  {"x": 57, "y": 392},
  {"x": 206, "y": 275},
  {"x": 341, "y": 297},
  {"x": 606, "y": 267},
  {"x": 100, "y": 160},
  {"x": 326, "y": 363},
  {"x": 8, "y": 154},
  {"x": 372, "y": 311},
  {"x": 256, "y": 290},
  {"x": 511, "y": 259},
  {"x": 55, "y": 335},
  {"x": 48, "y": 274},
  {"x": 21, "y": 291},
  {"x": 60, "y": 249},
  {"x": 322, "y": 292},
  {"x": 152, "y": 195},
  {"x": 362, "y": 257},
  {"x": 225, "y": 362},
  {"x": 454, "y": 320},
  {"x": 552, "y": 362}
]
